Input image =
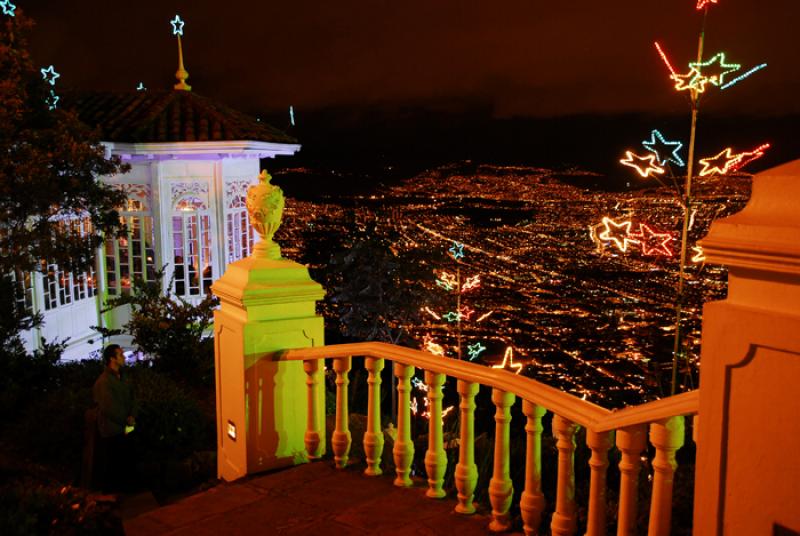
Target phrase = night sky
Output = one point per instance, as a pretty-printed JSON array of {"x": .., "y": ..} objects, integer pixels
[{"x": 514, "y": 57}]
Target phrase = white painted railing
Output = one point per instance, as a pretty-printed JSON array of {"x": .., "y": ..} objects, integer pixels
[{"x": 664, "y": 418}]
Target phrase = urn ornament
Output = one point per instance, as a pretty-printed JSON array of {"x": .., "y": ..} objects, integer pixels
[{"x": 265, "y": 206}]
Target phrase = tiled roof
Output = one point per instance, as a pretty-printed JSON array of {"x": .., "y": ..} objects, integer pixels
[{"x": 167, "y": 116}]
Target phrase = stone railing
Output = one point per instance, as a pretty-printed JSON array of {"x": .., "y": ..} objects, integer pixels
[{"x": 627, "y": 429}]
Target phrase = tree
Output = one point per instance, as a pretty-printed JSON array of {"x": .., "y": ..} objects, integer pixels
[{"x": 49, "y": 168}]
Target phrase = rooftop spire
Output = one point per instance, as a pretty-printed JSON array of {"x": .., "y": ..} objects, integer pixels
[{"x": 181, "y": 74}]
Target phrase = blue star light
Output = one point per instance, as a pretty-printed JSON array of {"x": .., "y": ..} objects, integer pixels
[
  {"x": 452, "y": 316},
  {"x": 50, "y": 75},
  {"x": 457, "y": 250},
  {"x": 52, "y": 100},
  {"x": 474, "y": 350},
  {"x": 665, "y": 151},
  {"x": 7, "y": 7},
  {"x": 177, "y": 25}
]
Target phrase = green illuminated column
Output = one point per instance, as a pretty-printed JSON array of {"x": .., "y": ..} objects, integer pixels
[{"x": 267, "y": 305}]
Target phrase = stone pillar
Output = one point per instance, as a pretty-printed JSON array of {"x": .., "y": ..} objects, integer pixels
[
  {"x": 267, "y": 305},
  {"x": 747, "y": 468}
]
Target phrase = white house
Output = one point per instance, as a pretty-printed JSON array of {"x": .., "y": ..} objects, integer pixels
[{"x": 192, "y": 161}]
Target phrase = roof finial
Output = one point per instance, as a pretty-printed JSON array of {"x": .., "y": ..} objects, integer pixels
[{"x": 181, "y": 74}]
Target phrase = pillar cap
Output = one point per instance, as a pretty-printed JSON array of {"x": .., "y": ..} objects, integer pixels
[{"x": 252, "y": 282}]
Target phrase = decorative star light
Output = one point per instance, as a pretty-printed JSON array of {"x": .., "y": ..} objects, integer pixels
[
  {"x": 50, "y": 75},
  {"x": 508, "y": 362},
  {"x": 618, "y": 233},
  {"x": 447, "y": 281},
  {"x": 748, "y": 156},
  {"x": 703, "y": 3},
  {"x": 471, "y": 283},
  {"x": 52, "y": 100},
  {"x": 720, "y": 163},
  {"x": 653, "y": 243},
  {"x": 644, "y": 165},
  {"x": 432, "y": 347},
  {"x": 474, "y": 350},
  {"x": 699, "y": 254},
  {"x": 722, "y": 69},
  {"x": 465, "y": 312},
  {"x": 177, "y": 25},
  {"x": 452, "y": 316},
  {"x": 742, "y": 76},
  {"x": 457, "y": 250},
  {"x": 141, "y": 87},
  {"x": 665, "y": 151},
  {"x": 693, "y": 81},
  {"x": 8, "y": 8}
]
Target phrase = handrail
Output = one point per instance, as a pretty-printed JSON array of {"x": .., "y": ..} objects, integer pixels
[{"x": 582, "y": 412}]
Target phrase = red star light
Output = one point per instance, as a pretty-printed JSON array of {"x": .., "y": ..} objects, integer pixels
[
  {"x": 653, "y": 243},
  {"x": 644, "y": 165},
  {"x": 721, "y": 163}
]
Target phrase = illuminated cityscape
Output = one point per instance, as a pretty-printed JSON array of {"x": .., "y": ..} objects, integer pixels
[{"x": 580, "y": 315}]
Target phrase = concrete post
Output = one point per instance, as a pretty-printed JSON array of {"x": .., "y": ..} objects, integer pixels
[
  {"x": 747, "y": 468},
  {"x": 267, "y": 305}
]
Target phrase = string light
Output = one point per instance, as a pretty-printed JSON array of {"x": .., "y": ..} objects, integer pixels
[
  {"x": 699, "y": 254},
  {"x": 49, "y": 75},
  {"x": 471, "y": 283},
  {"x": 141, "y": 87},
  {"x": 177, "y": 25},
  {"x": 724, "y": 68},
  {"x": 291, "y": 115},
  {"x": 644, "y": 165},
  {"x": 432, "y": 313},
  {"x": 666, "y": 60},
  {"x": 474, "y": 350},
  {"x": 52, "y": 100},
  {"x": 431, "y": 347},
  {"x": 508, "y": 362},
  {"x": 726, "y": 162},
  {"x": 656, "y": 140},
  {"x": 447, "y": 281},
  {"x": 742, "y": 76},
  {"x": 457, "y": 250},
  {"x": 484, "y": 317},
  {"x": 653, "y": 243},
  {"x": 609, "y": 235},
  {"x": 703, "y": 3},
  {"x": 8, "y": 8}
]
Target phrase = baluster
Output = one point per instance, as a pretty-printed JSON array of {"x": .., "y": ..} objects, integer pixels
[
  {"x": 564, "y": 522},
  {"x": 532, "y": 502},
  {"x": 435, "y": 457},
  {"x": 466, "y": 471},
  {"x": 313, "y": 425},
  {"x": 599, "y": 442},
  {"x": 340, "y": 440},
  {"x": 666, "y": 436},
  {"x": 403, "y": 450},
  {"x": 373, "y": 437},
  {"x": 631, "y": 442},
  {"x": 501, "y": 489}
]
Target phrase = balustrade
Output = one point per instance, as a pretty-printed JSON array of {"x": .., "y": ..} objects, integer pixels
[{"x": 627, "y": 429}]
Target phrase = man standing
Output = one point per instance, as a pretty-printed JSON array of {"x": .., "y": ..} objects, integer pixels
[{"x": 115, "y": 420}]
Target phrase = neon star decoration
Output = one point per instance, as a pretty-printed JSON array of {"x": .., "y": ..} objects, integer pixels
[
  {"x": 8, "y": 8},
  {"x": 447, "y": 281},
  {"x": 431, "y": 347},
  {"x": 665, "y": 151},
  {"x": 699, "y": 255},
  {"x": 471, "y": 283},
  {"x": 692, "y": 81},
  {"x": 50, "y": 75},
  {"x": 727, "y": 162},
  {"x": 474, "y": 350},
  {"x": 644, "y": 165},
  {"x": 452, "y": 316},
  {"x": 653, "y": 243},
  {"x": 722, "y": 69},
  {"x": 508, "y": 362},
  {"x": 177, "y": 25},
  {"x": 457, "y": 250},
  {"x": 703, "y": 3},
  {"x": 618, "y": 233}
]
